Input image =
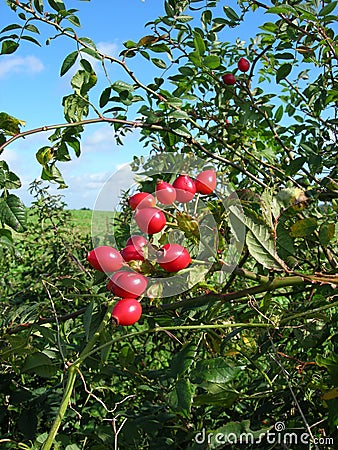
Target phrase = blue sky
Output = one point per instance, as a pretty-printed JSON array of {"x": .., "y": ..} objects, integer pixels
[{"x": 32, "y": 90}]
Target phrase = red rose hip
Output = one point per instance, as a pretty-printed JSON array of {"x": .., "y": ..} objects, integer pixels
[
  {"x": 137, "y": 241},
  {"x": 206, "y": 182},
  {"x": 150, "y": 220},
  {"x": 185, "y": 188},
  {"x": 173, "y": 257},
  {"x": 229, "y": 78},
  {"x": 243, "y": 65},
  {"x": 105, "y": 259},
  {"x": 127, "y": 284},
  {"x": 132, "y": 253},
  {"x": 127, "y": 311},
  {"x": 165, "y": 192},
  {"x": 141, "y": 200}
]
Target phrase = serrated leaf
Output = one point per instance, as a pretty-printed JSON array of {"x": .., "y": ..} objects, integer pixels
[
  {"x": 40, "y": 364},
  {"x": 68, "y": 62},
  {"x": 215, "y": 370},
  {"x": 303, "y": 227},
  {"x": 9, "y": 180},
  {"x": 260, "y": 243},
  {"x": 13, "y": 212}
]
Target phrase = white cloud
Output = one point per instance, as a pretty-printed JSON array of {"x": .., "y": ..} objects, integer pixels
[
  {"x": 108, "y": 48},
  {"x": 20, "y": 64}
]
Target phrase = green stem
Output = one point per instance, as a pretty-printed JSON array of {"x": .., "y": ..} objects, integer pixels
[
  {"x": 62, "y": 409},
  {"x": 177, "y": 328},
  {"x": 72, "y": 371},
  {"x": 308, "y": 313}
]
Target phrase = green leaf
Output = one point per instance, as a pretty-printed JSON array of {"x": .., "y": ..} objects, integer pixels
[
  {"x": 184, "y": 18},
  {"x": 6, "y": 237},
  {"x": 180, "y": 399},
  {"x": 283, "y": 72},
  {"x": 295, "y": 165},
  {"x": 212, "y": 61},
  {"x": 260, "y": 242},
  {"x": 74, "y": 20},
  {"x": 44, "y": 155},
  {"x": 327, "y": 9},
  {"x": 13, "y": 26},
  {"x": 224, "y": 398},
  {"x": 68, "y": 62},
  {"x": 215, "y": 370},
  {"x": 199, "y": 43},
  {"x": 32, "y": 28},
  {"x": 10, "y": 125},
  {"x": 285, "y": 9},
  {"x": 159, "y": 63},
  {"x": 326, "y": 233},
  {"x": 87, "y": 319},
  {"x": 38, "y": 4},
  {"x": 75, "y": 107},
  {"x": 182, "y": 360},
  {"x": 57, "y": 5},
  {"x": 279, "y": 113},
  {"x": 303, "y": 227},
  {"x": 9, "y": 46},
  {"x": 9, "y": 180},
  {"x": 40, "y": 364},
  {"x": 13, "y": 212},
  {"x": 231, "y": 14}
]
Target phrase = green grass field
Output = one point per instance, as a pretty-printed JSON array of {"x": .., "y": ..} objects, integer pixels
[{"x": 92, "y": 222}]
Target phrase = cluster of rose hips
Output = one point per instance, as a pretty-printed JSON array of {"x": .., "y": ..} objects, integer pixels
[
  {"x": 130, "y": 285},
  {"x": 243, "y": 65}
]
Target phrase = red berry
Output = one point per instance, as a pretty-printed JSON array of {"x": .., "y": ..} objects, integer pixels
[
  {"x": 173, "y": 257},
  {"x": 141, "y": 200},
  {"x": 150, "y": 220},
  {"x": 127, "y": 284},
  {"x": 137, "y": 241},
  {"x": 243, "y": 65},
  {"x": 127, "y": 311},
  {"x": 165, "y": 192},
  {"x": 229, "y": 78},
  {"x": 132, "y": 253},
  {"x": 185, "y": 188},
  {"x": 105, "y": 259},
  {"x": 206, "y": 182}
]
